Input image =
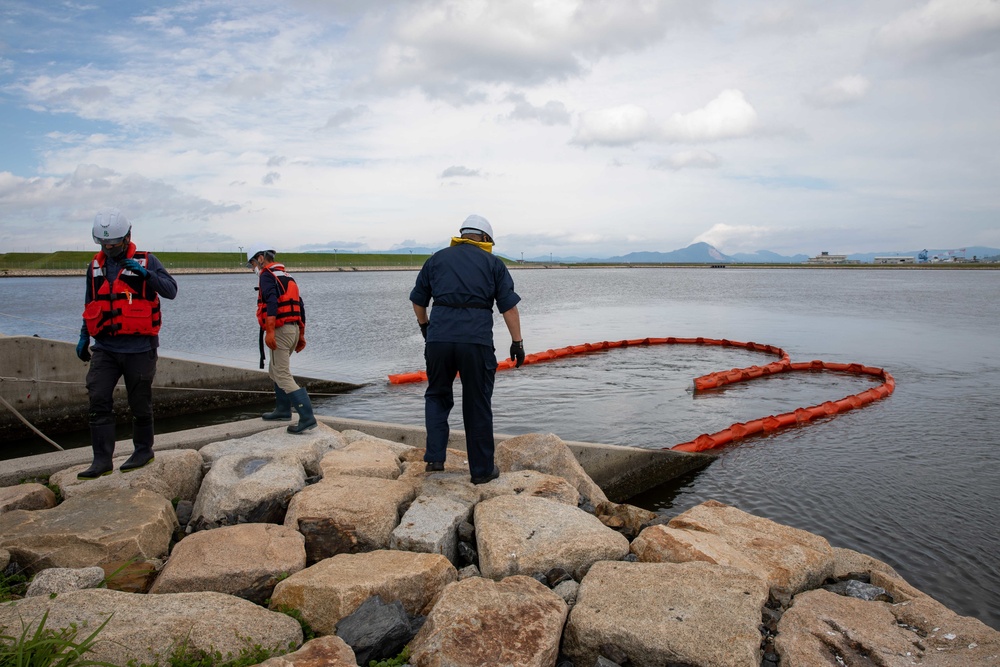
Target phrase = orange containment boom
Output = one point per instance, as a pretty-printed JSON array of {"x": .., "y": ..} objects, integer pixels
[{"x": 719, "y": 379}]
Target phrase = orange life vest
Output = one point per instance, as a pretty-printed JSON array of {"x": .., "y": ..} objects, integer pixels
[
  {"x": 128, "y": 306},
  {"x": 289, "y": 301}
]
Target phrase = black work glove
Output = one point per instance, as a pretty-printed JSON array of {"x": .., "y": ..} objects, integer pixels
[
  {"x": 83, "y": 348},
  {"x": 517, "y": 352},
  {"x": 423, "y": 329},
  {"x": 136, "y": 267}
]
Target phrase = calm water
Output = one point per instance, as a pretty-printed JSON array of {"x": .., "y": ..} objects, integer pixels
[{"x": 911, "y": 480}]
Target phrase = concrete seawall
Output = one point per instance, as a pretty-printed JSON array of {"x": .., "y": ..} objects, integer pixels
[
  {"x": 621, "y": 472},
  {"x": 45, "y": 381}
]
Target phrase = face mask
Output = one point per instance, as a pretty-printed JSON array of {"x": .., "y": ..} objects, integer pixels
[
  {"x": 117, "y": 253},
  {"x": 256, "y": 270}
]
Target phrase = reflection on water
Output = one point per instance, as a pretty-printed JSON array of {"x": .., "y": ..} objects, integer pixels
[{"x": 910, "y": 480}]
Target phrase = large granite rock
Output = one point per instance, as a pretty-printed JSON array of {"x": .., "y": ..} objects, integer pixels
[
  {"x": 355, "y": 513},
  {"x": 333, "y": 588},
  {"x": 628, "y": 520},
  {"x": 56, "y": 580},
  {"x": 363, "y": 458},
  {"x": 328, "y": 651},
  {"x": 174, "y": 474},
  {"x": 398, "y": 448},
  {"x": 276, "y": 444},
  {"x": 430, "y": 526},
  {"x": 847, "y": 562},
  {"x": 667, "y": 614},
  {"x": 532, "y": 483},
  {"x": 546, "y": 452},
  {"x": 823, "y": 628},
  {"x": 517, "y": 621},
  {"x": 456, "y": 461},
  {"x": 527, "y": 535},
  {"x": 90, "y": 529},
  {"x": 251, "y": 488},
  {"x": 789, "y": 559},
  {"x": 32, "y": 496},
  {"x": 148, "y": 628},
  {"x": 246, "y": 561}
]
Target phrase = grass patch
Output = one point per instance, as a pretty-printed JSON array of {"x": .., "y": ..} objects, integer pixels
[
  {"x": 73, "y": 259},
  {"x": 185, "y": 656},
  {"x": 13, "y": 585},
  {"x": 307, "y": 631},
  {"x": 401, "y": 659},
  {"x": 46, "y": 647}
]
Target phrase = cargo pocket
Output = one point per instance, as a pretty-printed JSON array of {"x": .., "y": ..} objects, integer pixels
[
  {"x": 138, "y": 317},
  {"x": 92, "y": 314}
]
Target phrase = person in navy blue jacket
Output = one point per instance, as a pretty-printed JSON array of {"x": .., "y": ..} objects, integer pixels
[
  {"x": 122, "y": 314},
  {"x": 464, "y": 281}
]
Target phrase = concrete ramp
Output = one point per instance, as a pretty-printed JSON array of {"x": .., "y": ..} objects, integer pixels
[{"x": 45, "y": 382}]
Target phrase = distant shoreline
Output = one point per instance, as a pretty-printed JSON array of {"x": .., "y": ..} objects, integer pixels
[{"x": 50, "y": 273}]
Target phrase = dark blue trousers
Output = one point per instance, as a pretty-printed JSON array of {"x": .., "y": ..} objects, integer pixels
[
  {"x": 139, "y": 369},
  {"x": 476, "y": 366}
]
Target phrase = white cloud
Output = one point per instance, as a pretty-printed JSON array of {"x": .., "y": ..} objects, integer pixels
[
  {"x": 699, "y": 158},
  {"x": 944, "y": 27},
  {"x": 735, "y": 238},
  {"x": 449, "y": 47},
  {"x": 347, "y": 115},
  {"x": 552, "y": 112},
  {"x": 27, "y": 202},
  {"x": 617, "y": 126},
  {"x": 844, "y": 91},
  {"x": 728, "y": 116},
  {"x": 460, "y": 171}
]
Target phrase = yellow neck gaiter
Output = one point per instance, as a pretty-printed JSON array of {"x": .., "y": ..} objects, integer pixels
[{"x": 484, "y": 245}]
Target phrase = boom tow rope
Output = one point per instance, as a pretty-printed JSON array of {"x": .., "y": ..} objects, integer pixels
[{"x": 719, "y": 379}]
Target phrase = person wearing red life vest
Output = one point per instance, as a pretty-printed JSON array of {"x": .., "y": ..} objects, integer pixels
[
  {"x": 122, "y": 314},
  {"x": 282, "y": 318}
]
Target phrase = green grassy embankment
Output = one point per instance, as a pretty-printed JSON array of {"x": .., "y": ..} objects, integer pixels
[{"x": 71, "y": 259}]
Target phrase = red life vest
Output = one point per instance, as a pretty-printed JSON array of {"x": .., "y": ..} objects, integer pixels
[
  {"x": 126, "y": 307},
  {"x": 289, "y": 301}
]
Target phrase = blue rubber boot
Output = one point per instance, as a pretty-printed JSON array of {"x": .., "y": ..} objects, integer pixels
[
  {"x": 282, "y": 407},
  {"x": 302, "y": 405}
]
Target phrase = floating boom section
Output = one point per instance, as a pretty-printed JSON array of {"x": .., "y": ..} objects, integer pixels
[{"x": 720, "y": 379}]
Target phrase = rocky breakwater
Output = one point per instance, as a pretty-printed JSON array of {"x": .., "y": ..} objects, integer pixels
[{"x": 336, "y": 548}]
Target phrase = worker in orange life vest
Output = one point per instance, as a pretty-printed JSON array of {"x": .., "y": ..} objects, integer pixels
[
  {"x": 282, "y": 318},
  {"x": 122, "y": 314}
]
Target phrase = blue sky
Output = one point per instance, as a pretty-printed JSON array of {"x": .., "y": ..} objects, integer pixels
[{"x": 576, "y": 127}]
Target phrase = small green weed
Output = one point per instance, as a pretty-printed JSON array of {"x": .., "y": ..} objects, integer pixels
[
  {"x": 401, "y": 659},
  {"x": 48, "y": 648},
  {"x": 13, "y": 586},
  {"x": 184, "y": 655},
  {"x": 307, "y": 631}
]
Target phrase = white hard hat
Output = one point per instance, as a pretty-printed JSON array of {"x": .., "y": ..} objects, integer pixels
[
  {"x": 476, "y": 224},
  {"x": 256, "y": 249},
  {"x": 110, "y": 227}
]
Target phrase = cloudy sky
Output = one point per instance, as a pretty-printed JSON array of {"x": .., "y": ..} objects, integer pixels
[{"x": 577, "y": 127}]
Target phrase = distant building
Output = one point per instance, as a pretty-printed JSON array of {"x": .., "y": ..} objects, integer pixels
[
  {"x": 895, "y": 259},
  {"x": 827, "y": 258}
]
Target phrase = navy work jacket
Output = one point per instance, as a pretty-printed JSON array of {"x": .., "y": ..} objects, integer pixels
[{"x": 464, "y": 282}]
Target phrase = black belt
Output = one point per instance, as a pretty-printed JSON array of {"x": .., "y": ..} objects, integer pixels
[{"x": 479, "y": 306}]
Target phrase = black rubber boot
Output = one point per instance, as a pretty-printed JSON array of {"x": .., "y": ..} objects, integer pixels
[
  {"x": 302, "y": 405},
  {"x": 282, "y": 407},
  {"x": 102, "y": 440},
  {"x": 142, "y": 440}
]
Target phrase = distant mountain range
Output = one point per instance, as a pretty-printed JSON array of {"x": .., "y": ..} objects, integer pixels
[{"x": 703, "y": 253}]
